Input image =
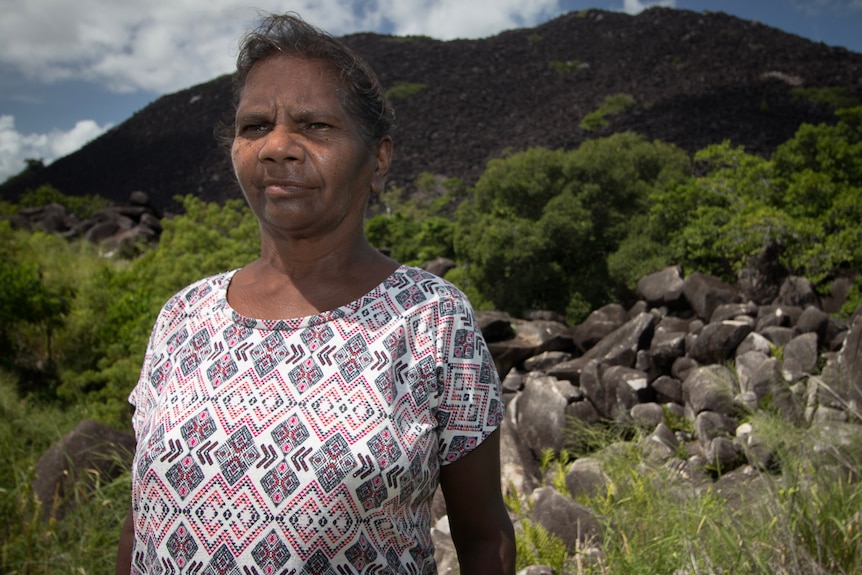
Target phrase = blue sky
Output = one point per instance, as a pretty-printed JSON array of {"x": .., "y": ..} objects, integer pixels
[{"x": 69, "y": 71}]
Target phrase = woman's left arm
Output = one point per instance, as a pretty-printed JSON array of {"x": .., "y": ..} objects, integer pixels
[{"x": 481, "y": 529}]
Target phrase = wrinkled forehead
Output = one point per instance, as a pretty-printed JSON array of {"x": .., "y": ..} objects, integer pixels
[{"x": 322, "y": 73}]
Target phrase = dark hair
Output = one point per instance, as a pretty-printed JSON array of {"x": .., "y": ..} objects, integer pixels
[{"x": 288, "y": 34}]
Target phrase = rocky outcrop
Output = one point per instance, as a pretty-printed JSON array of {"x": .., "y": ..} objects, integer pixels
[
  {"x": 117, "y": 229},
  {"x": 694, "y": 348}
]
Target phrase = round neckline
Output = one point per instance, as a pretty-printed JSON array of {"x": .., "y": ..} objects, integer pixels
[{"x": 303, "y": 321}]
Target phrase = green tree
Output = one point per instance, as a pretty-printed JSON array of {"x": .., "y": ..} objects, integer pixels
[
  {"x": 802, "y": 204},
  {"x": 81, "y": 206},
  {"x": 118, "y": 304},
  {"x": 542, "y": 223}
]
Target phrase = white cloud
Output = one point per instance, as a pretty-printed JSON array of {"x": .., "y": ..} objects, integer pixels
[
  {"x": 163, "y": 46},
  {"x": 16, "y": 147},
  {"x": 448, "y": 19},
  {"x": 636, "y": 6},
  {"x": 167, "y": 45}
]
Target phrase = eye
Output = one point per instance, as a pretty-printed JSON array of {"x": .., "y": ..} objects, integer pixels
[
  {"x": 253, "y": 129},
  {"x": 316, "y": 126}
]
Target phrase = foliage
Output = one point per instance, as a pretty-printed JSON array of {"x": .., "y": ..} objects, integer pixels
[
  {"x": 535, "y": 545},
  {"x": 835, "y": 96},
  {"x": 86, "y": 540},
  {"x": 564, "y": 68},
  {"x": 417, "y": 229},
  {"x": 118, "y": 305},
  {"x": 801, "y": 204},
  {"x": 611, "y": 106},
  {"x": 403, "y": 90},
  {"x": 541, "y": 222},
  {"x": 35, "y": 299},
  {"x": 33, "y": 166},
  {"x": 409, "y": 39},
  {"x": 800, "y": 521},
  {"x": 81, "y": 206}
]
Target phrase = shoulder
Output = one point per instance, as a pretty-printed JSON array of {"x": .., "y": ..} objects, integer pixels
[
  {"x": 200, "y": 296},
  {"x": 408, "y": 278}
]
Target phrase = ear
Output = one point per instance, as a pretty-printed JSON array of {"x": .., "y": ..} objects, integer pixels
[{"x": 382, "y": 160}]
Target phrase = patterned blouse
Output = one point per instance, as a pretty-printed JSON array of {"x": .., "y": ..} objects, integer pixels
[{"x": 311, "y": 445}]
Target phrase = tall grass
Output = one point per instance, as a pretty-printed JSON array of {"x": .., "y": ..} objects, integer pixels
[
  {"x": 85, "y": 541},
  {"x": 805, "y": 519}
]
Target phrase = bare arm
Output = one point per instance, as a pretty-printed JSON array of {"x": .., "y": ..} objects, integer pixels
[
  {"x": 480, "y": 525},
  {"x": 124, "y": 554}
]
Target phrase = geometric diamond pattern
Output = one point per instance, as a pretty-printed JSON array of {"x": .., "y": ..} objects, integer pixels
[
  {"x": 184, "y": 476},
  {"x": 332, "y": 462},
  {"x": 182, "y": 546},
  {"x": 304, "y": 445},
  {"x": 236, "y": 455},
  {"x": 279, "y": 482},
  {"x": 270, "y": 553}
]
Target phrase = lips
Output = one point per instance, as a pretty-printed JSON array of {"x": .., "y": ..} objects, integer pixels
[{"x": 288, "y": 187}]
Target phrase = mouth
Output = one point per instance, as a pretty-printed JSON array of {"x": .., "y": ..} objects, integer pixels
[{"x": 285, "y": 187}]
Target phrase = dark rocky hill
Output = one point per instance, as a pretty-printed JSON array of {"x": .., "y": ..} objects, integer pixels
[{"x": 696, "y": 78}]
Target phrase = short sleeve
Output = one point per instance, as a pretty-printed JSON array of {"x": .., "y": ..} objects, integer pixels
[
  {"x": 144, "y": 396},
  {"x": 470, "y": 403}
]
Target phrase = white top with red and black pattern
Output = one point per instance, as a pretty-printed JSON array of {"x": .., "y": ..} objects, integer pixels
[{"x": 310, "y": 445}]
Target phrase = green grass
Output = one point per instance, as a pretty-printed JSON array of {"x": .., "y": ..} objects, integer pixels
[
  {"x": 85, "y": 541},
  {"x": 803, "y": 520},
  {"x": 611, "y": 106},
  {"x": 403, "y": 90},
  {"x": 835, "y": 96},
  {"x": 564, "y": 68}
]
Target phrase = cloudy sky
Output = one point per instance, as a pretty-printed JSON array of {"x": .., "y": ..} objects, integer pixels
[{"x": 71, "y": 70}]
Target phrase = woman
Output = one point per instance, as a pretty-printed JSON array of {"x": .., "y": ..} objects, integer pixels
[{"x": 297, "y": 414}]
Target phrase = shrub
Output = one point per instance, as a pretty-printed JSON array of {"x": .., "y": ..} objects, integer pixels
[
  {"x": 835, "y": 96},
  {"x": 564, "y": 68},
  {"x": 81, "y": 206},
  {"x": 612, "y": 105},
  {"x": 403, "y": 90}
]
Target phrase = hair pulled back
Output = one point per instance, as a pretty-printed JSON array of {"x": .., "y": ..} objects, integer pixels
[{"x": 288, "y": 34}]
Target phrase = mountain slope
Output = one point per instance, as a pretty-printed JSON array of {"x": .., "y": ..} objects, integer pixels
[{"x": 696, "y": 79}]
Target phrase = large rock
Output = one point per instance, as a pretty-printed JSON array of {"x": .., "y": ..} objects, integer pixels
[
  {"x": 530, "y": 338},
  {"x": 800, "y": 356},
  {"x": 541, "y": 413},
  {"x": 705, "y": 293},
  {"x": 797, "y": 291},
  {"x": 575, "y": 524},
  {"x": 619, "y": 348},
  {"x": 709, "y": 388},
  {"x": 662, "y": 288},
  {"x": 843, "y": 376},
  {"x": 757, "y": 372},
  {"x": 718, "y": 341},
  {"x": 89, "y": 453},
  {"x": 519, "y": 468},
  {"x": 586, "y": 478},
  {"x": 666, "y": 347},
  {"x": 598, "y": 325}
]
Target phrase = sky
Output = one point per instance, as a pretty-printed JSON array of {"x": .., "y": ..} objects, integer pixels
[{"x": 69, "y": 71}]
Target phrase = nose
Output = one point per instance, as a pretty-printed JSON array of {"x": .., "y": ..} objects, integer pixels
[{"x": 282, "y": 144}]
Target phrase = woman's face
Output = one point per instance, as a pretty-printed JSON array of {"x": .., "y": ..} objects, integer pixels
[{"x": 298, "y": 155}]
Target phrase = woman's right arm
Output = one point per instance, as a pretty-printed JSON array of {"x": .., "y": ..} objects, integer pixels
[{"x": 124, "y": 554}]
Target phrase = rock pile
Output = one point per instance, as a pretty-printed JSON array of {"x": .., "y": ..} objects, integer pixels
[
  {"x": 117, "y": 228},
  {"x": 694, "y": 349}
]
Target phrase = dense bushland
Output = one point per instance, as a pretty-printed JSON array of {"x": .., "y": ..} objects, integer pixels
[{"x": 541, "y": 229}]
